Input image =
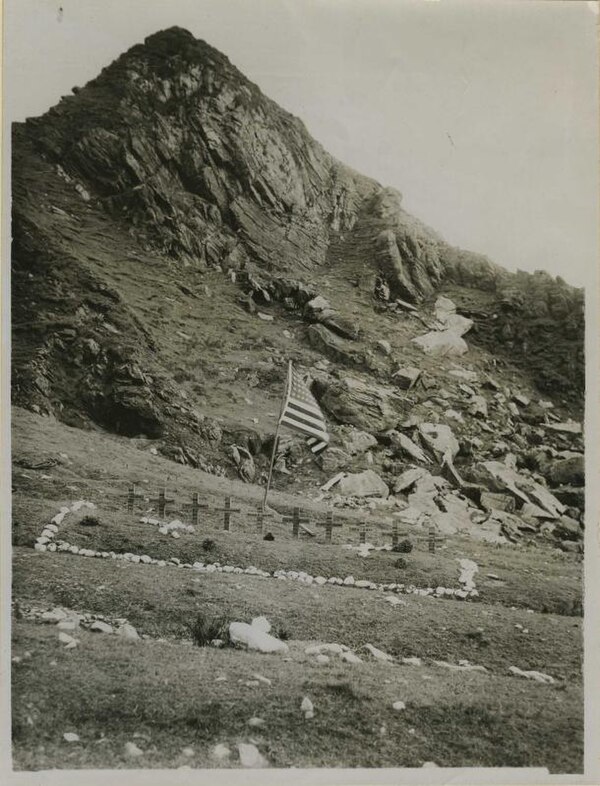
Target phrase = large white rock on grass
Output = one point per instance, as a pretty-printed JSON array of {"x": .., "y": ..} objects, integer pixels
[
  {"x": 255, "y": 638},
  {"x": 538, "y": 676},
  {"x": 250, "y": 756},
  {"x": 128, "y": 632}
]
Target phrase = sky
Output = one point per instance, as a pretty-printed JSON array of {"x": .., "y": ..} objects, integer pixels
[{"x": 483, "y": 113}]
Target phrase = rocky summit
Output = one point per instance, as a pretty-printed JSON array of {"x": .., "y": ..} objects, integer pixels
[{"x": 177, "y": 237}]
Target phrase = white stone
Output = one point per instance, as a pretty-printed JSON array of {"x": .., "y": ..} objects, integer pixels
[
  {"x": 394, "y": 601},
  {"x": 70, "y": 736},
  {"x": 39, "y": 547},
  {"x": 255, "y": 638},
  {"x": 349, "y": 581},
  {"x": 260, "y": 678},
  {"x": 412, "y": 661},
  {"x": 320, "y": 580},
  {"x": 101, "y": 627},
  {"x": 132, "y": 750},
  {"x": 69, "y": 624},
  {"x": 250, "y": 756},
  {"x": 256, "y": 722},
  {"x": 220, "y": 752},
  {"x": 350, "y": 657},
  {"x": 322, "y": 659},
  {"x": 538, "y": 676},
  {"x": 318, "y": 649},
  {"x": 56, "y": 615},
  {"x": 262, "y": 624},
  {"x": 399, "y": 705},
  {"x": 378, "y": 654},
  {"x": 127, "y": 631}
]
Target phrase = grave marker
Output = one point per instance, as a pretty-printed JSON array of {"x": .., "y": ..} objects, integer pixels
[
  {"x": 433, "y": 539},
  {"x": 296, "y": 520},
  {"x": 227, "y": 510},
  {"x": 163, "y": 501},
  {"x": 329, "y": 524},
  {"x": 260, "y": 515},
  {"x": 362, "y": 533},
  {"x": 131, "y": 497},
  {"x": 195, "y": 507},
  {"x": 396, "y": 534}
]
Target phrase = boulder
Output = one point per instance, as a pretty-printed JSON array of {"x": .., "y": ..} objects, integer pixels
[
  {"x": 568, "y": 472},
  {"x": 440, "y": 439},
  {"x": 409, "y": 478},
  {"x": 128, "y": 632},
  {"x": 406, "y": 376},
  {"x": 478, "y": 407},
  {"x": 569, "y": 427},
  {"x": 357, "y": 441},
  {"x": 254, "y": 637},
  {"x": 251, "y": 757},
  {"x": 404, "y": 444},
  {"x": 335, "y": 459},
  {"x": 363, "y": 484},
  {"x": 356, "y": 403},
  {"x": 101, "y": 627},
  {"x": 444, "y": 343},
  {"x": 523, "y": 488},
  {"x": 570, "y": 495},
  {"x": 567, "y": 528},
  {"x": 490, "y": 501},
  {"x": 447, "y": 341},
  {"x": 330, "y": 345}
]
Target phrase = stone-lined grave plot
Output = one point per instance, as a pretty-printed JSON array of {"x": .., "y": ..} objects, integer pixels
[{"x": 49, "y": 541}]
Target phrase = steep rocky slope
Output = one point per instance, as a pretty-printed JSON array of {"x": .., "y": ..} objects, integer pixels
[{"x": 172, "y": 229}]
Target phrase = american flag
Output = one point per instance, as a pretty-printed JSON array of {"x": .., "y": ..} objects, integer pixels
[{"x": 302, "y": 413}]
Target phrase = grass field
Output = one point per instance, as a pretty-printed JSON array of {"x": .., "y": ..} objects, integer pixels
[{"x": 168, "y": 696}]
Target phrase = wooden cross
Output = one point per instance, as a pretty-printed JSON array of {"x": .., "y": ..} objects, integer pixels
[
  {"x": 131, "y": 497},
  {"x": 195, "y": 507},
  {"x": 329, "y": 524},
  {"x": 296, "y": 520},
  {"x": 260, "y": 515},
  {"x": 433, "y": 538},
  {"x": 227, "y": 510},
  {"x": 362, "y": 533},
  {"x": 397, "y": 535},
  {"x": 163, "y": 501}
]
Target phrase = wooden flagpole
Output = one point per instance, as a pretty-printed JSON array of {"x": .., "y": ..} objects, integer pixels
[{"x": 276, "y": 440}]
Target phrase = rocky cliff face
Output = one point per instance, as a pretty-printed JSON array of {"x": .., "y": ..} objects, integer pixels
[{"x": 172, "y": 228}]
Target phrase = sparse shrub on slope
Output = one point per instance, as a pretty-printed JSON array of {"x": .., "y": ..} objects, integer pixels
[{"x": 205, "y": 628}]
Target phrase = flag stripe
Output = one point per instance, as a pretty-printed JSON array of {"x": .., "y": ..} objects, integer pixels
[
  {"x": 302, "y": 407},
  {"x": 289, "y": 420},
  {"x": 299, "y": 420},
  {"x": 300, "y": 414},
  {"x": 319, "y": 447}
]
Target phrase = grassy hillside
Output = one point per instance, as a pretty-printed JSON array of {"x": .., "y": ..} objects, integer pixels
[{"x": 168, "y": 696}]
